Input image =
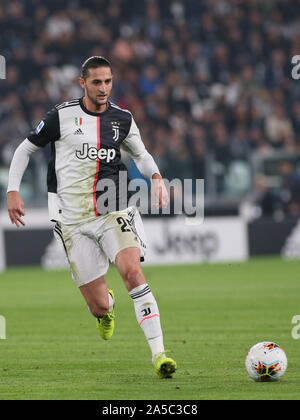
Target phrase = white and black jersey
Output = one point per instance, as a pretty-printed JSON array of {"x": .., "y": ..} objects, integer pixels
[{"x": 85, "y": 151}]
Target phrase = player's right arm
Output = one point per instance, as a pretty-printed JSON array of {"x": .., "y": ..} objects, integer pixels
[
  {"x": 46, "y": 131},
  {"x": 19, "y": 163},
  {"x": 15, "y": 206}
]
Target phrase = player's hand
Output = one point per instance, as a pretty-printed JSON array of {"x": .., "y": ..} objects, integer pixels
[
  {"x": 159, "y": 193},
  {"x": 15, "y": 208}
]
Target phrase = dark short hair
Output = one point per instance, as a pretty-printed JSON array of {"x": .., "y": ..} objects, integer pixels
[{"x": 93, "y": 63}]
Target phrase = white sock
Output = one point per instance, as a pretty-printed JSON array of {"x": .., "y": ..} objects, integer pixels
[
  {"x": 147, "y": 315},
  {"x": 110, "y": 302}
]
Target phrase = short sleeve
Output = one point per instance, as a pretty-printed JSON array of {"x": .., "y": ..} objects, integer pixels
[
  {"x": 47, "y": 130},
  {"x": 133, "y": 143}
]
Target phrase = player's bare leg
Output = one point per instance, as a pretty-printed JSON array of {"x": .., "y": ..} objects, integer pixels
[
  {"x": 100, "y": 302},
  {"x": 128, "y": 264},
  {"x": 146, "y": 309},
  {"x": 96, "y": 296}
]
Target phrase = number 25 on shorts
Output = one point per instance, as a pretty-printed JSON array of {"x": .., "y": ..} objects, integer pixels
[{"x": 125, "y": 226}]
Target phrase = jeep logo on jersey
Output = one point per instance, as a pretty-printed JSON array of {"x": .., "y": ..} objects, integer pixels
[
  {"x": 93, "y": 153},
  {"x": 116, "y": 130}
]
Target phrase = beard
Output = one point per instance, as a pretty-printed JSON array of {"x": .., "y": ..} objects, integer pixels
[{"x": 95, "y": 99}]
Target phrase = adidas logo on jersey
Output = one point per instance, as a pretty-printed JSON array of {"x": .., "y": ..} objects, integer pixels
[
  {"x": 93, "y": 153},
  {"x": 79, "y": 131}
]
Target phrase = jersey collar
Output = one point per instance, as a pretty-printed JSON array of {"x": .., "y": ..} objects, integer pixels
[{"x": 95, "y": 114}]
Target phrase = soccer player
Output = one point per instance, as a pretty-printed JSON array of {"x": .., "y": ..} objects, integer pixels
[{"x": 86, "y": 136}]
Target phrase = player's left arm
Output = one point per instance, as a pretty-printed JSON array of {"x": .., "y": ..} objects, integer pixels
[{"x": 145, "y": 163}]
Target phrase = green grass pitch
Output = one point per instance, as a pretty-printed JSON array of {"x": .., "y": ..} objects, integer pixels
[{"x": 211, "y": 315}]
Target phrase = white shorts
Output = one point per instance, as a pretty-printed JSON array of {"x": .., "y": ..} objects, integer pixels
[{"x": 90, "y": 245}]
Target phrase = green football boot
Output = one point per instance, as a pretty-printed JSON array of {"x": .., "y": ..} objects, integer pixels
[
  {"x": 106, "y": 324},
  {"x": 164, "y": 366}
]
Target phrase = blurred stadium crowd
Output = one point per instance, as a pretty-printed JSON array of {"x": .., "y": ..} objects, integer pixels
[{"x": 208, "y": 82}]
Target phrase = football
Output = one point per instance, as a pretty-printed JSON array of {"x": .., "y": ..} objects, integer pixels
[{"x": 266, "y": 362}]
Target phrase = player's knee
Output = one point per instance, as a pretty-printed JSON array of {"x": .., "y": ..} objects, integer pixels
[{"x": 98, "y": 309}]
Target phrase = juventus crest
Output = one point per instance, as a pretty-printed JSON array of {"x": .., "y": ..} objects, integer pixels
[{"x": 116, "y": 130}]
